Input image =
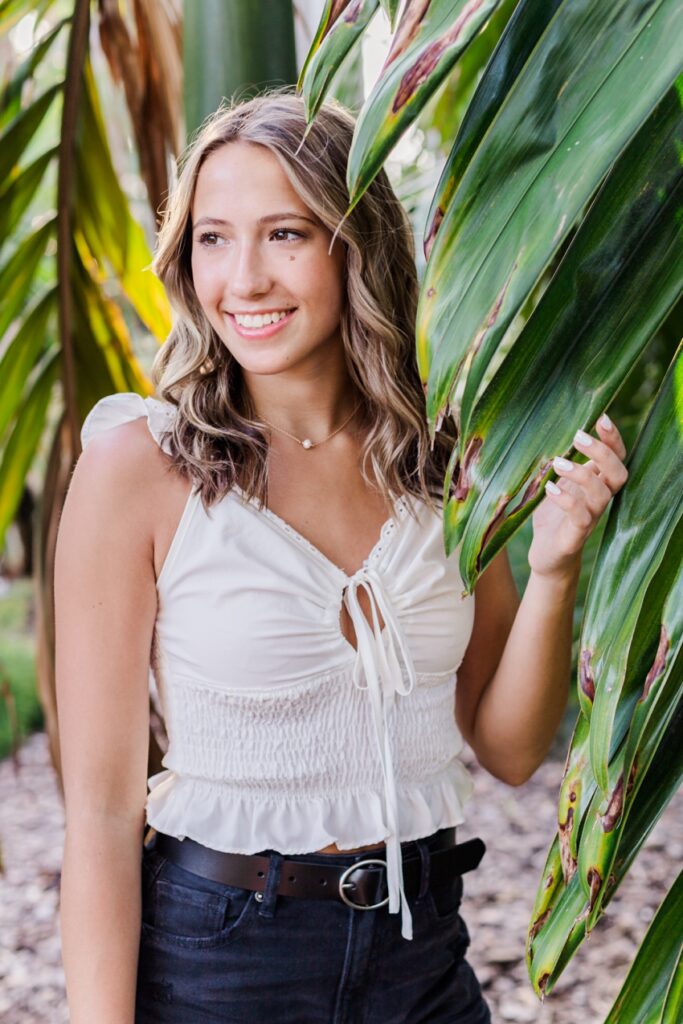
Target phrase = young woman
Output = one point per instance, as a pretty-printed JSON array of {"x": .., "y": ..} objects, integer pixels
[{"x": 267, "y": 534}]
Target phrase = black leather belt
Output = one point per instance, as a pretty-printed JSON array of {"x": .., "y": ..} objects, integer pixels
[{"x": 361, "y": 884}]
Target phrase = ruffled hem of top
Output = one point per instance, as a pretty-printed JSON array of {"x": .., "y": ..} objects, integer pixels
[
  {"x": 125, "y": 406},
  {"x": 224, "y": 820}
]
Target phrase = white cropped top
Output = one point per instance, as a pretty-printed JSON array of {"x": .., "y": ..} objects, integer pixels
[{"x": 281, "y": 734}]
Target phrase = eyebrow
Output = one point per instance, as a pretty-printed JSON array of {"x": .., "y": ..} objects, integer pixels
[{"x": 286, "y": 215}]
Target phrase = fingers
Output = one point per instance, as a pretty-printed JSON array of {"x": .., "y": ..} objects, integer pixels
[
  {"x": 582, "y": 483},
  {"x": 606, "y": 455},
  {"x": 572, "y": 499},
  {"x": 584, "y": 490},
  {"x": 609, "y": 433}
]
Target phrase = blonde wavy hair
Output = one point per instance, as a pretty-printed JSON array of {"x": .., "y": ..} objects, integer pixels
[{"x": 216, "y": 439}]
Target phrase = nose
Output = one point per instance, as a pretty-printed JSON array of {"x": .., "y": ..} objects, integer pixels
[{"x": 249, "y": 273}]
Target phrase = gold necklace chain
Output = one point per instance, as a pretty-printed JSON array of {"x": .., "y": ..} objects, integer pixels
[{"x": 307, "y": 443}]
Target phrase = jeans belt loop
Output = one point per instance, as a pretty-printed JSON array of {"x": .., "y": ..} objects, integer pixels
[
  {"x": 269, "y": 895},
  {"x": 425, "y": 863}
]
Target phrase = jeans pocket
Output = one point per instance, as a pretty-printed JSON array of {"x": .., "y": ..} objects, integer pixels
[
  {"x": 445, "y": 899},
  {"x": 182, "y": 909}
]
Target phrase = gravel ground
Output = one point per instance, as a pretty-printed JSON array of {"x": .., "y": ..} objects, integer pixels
[{"x": 516, "y": 825}]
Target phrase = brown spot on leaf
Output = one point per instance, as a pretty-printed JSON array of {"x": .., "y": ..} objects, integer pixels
[
  {"x": 531, "y": 489},
  {"x": 631, "y": 777},
  {"x": 497, "y": 520},
  {"x": 492, "y": 315},
  {"x": 352, "y": 12},
  {"x": 431, "y": 55},
  {"x": 549, "y": 881},
  {"x": 609, "y": 819},
  {"x": 659, "y": 662},
  {"x": 431, "y": 293},
  {"x": 567, "y": 858},
  {"x": 538, "y": 924},
  {"x": 433, "y": 228},
  {"x": 464, "y": 482},
  {"x": 407, "y": 29},
  {"x": 543, "y": 981},
  {"x": 586, "y": 681},
  {"x": 338, "y": 7},
  {"x": 595, "y": 883}
]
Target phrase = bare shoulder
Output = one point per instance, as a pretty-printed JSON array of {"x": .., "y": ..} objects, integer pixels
[{"x": 124, "y": 482}]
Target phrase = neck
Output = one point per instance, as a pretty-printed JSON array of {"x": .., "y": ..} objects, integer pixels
[{"x": 305, "y": 407}]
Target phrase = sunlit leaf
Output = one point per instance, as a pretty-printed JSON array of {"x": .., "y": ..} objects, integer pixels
[{"x": 114, "y": 238}]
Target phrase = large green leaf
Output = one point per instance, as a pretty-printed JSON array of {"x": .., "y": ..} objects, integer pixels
[
  {"x": 24, "y": 440},
  {"x": 20, "y": 132},
  {"x": 557, "y": 937},
  {"x": 21, "y": 355},
  {"x": 428, "y": 41},
  {"x": 542, "y": 158},
  {"x": 646, "y": 513},
  {"x": 346, "y": 31},
  {"x": 17, "y": 275},
  {"x": 578, "y": 787},
  {"x": 525, "y": 27},
  {"x": 644, "y": 992},
  {"x": 603, "y": 829},
  {"x": 19, "y": 191},
  {"x": 564, "y": 367}
]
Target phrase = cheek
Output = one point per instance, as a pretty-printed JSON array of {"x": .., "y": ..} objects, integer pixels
[
  {"x": 206, "y": 282},
  {"x": 325, "y": 285}
]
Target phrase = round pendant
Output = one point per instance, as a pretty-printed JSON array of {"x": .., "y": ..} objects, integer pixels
[{"x": 307, "y": 443}]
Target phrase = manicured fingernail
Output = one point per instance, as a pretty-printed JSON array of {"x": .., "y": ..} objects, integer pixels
[
  {"x": 553, "y": 488},
  {"x": 583, "y": 438},
  {"x": 605, "y": 421},
  {"x": 560, "y": 463}
]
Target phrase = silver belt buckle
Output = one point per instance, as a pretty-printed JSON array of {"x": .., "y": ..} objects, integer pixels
[{"x": 344, "y": 883}]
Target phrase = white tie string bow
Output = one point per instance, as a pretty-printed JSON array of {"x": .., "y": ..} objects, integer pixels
[{"x": 377, "y": 669}]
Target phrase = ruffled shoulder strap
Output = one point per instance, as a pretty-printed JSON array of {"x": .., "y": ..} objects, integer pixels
[{"x": 124, "y": 406}]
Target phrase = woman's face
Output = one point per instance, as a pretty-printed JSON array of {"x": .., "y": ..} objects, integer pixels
[{"x": 257, "y": 249}]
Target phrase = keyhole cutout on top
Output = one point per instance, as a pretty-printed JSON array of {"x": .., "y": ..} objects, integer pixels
[{"x": 346, "y": 622}]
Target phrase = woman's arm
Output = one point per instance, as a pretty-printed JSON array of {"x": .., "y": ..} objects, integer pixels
[
  {"x": 514, "y": 680},
  {"x": 105, "y": 607}
]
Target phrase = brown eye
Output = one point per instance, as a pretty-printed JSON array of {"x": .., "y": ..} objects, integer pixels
[{"x": 287, "y": 231}]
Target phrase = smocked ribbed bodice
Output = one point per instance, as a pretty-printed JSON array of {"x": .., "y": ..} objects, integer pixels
[{"x": 281, "y": 734}]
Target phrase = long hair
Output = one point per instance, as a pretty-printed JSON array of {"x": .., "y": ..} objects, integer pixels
[{"x": 216, "y": 438}]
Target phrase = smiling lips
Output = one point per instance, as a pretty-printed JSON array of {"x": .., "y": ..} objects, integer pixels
[{"x": 260, "y": 326}]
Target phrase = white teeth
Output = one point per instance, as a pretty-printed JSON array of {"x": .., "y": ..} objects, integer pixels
[{"x": 259, "y": 320}]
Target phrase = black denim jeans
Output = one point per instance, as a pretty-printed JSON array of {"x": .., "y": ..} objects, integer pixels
[{"x": 212, "y": 952}]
